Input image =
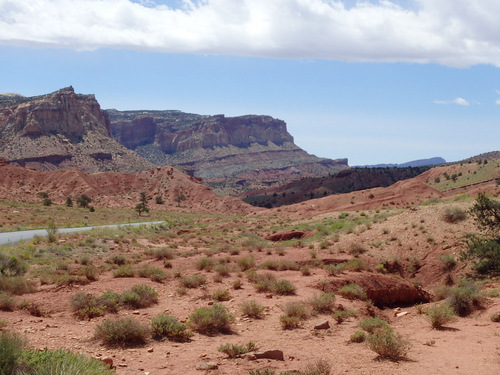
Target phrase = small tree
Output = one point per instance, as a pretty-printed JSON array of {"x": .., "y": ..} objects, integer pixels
[
  {"x": 69, "y": 201},
  {"x": 83, "y": 201},
  {"x": 484, "y": 249},
  {"x": 181, "y": 197},
  {"x": 142, "y": 206}
]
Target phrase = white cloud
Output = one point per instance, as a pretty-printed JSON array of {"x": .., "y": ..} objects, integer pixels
[
  {"x": 498, "y": 101},
  {"x": 450, "y": 32},
  {"x": 459, "y": 101}
]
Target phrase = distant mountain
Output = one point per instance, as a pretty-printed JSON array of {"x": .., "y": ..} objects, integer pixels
[
  {"x": 62, "y": 130},
  {"x": 414, "y": 163},
  {"x": 231, "y": 154}
]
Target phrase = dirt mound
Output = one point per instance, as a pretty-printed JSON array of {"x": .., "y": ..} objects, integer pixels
[
  {"x": 382, "y": 290},
  {"x": 111, "y": 189}
]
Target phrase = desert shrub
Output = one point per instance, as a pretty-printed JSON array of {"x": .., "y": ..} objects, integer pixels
[
  {"x": 12, "y": 265},
  {"x": 119, "y": 260},
  {"x": 33, "y": 309},
  {"x": 296, "y": 309},
  {"x": 263, "y": 282},
  {"x": 193, "y": 281},
  {"x": 7, "y": 303},
  {"x": 388, "y": 344},
  {"x": 323, "y": 303},
  {"x": 441, "y": 314},
  {"x": 484, "y": 250},
  {"x": 83, "y": 201},
  {"x": 355, "y": 265},
  {"x": 495, "y": 317},
  {"x": 246, "y": 263},
  {"x": 290, "y": 322},
  {"x": 319, "y": 367},
  {"x": 61, "y": 362},
  {"x": 16, "y": 285},
  {"x": 86, "y": 306},
  {"x": 154, "y": 274},
  {"x": 124, "y": 271},
  {"x": 67, "y": 279},
  {"x": 284, "y": 288},
  {"x": 168, "y": 326},
  {"x": 270, "y": 264},
  {"x": 221, "y": 295},
  {"x": 266, "y": 371},
  {"x": 11, "y": 349},
  {"x": 305, "y": 270},
  {"x": 110, "y": 301},
  {"x": 122, "y": 332},
  {"x": 442, "y": 292},
  {"x": 236, "y": 284},
  {"x": 252, "y": 309},
  {"x": 223, "y": 269},
  {"x": 357, "y": 249},
  {"x": 371, "y": 324},
  {"x": 352, "y": 291},
  {"x": 454, "y": 215},
  {"x": 211, "y": 320},
  {"x": 334, "y": 269},
  {"x": 206, "y": 264},
  {"x": 164, "y": 253},
  {"x": 269, "y": 283},
  {"x": 90, "y": 271},
  {"x": 342, "y": 315},
  {"x": 234, "y": 351},
  {"x": 448, "y": 261},
  {"x": 358, "y": 336},
  {"x": 464, "y": 298},
  {"x": 139, "y": 296}
]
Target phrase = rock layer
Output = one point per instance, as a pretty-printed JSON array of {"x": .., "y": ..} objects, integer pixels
[
  {"x": 62, "y": 130},
  {"x": 229, "y": 153}
]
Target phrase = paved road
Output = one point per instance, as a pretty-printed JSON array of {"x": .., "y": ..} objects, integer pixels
[{"x": 9, "y": 238}]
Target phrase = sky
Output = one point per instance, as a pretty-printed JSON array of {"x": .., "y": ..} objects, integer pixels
[{"x": 374, "y": 81}]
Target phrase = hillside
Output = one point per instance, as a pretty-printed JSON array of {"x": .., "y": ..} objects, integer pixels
[
  {"x": 343, "y": 182},
  {"x": 231, "y": 154},
  {"x": 113, "y": 189},
  {"x": 287, "y": 295},
  {"x": 62, "y": 130}
]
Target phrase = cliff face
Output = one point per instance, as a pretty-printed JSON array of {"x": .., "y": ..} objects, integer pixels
[
  {"x": 230, "y": 153},
  {"x": 61, "y": 130},
  {"x": 176, "y": 132}
]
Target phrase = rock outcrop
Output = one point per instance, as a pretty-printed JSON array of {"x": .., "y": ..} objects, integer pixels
[
  {"x": 62, "y": 130},
  {"x": 382, "y": 290},
  {"x": 229, "y": 153}
]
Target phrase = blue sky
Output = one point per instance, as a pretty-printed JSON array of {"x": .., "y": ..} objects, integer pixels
[{"x": 372, "y": 81}]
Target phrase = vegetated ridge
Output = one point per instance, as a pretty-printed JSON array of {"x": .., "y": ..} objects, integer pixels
[
  {"x": 343, "y": 182},
  {"x": 231, "y": 154},
  {"x": 62, "y": 130}
]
